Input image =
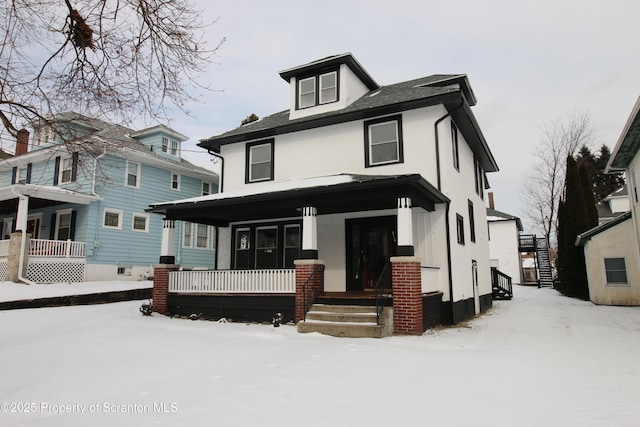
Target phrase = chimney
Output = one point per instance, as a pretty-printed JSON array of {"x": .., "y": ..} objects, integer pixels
[
  {"x": 491, "y": 205},
  {"x": 22, "y": 143}
]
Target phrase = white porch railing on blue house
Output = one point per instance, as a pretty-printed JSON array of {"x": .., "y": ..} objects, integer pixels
[
  {"x": 49, "y": 261},
  {"x": 233, "y": 281}
]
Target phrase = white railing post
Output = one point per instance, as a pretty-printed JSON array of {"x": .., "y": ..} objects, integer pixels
[{"x": 68, "y": 248}]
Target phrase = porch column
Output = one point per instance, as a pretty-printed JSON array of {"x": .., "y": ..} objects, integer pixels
[
  {"x": 23, "y": 213},
  {"x": 405, "y": 227},
  {"x": 407, "y": 295},
  {"x": 309, "y": 284},
  {"x": 167, "y": 248},
  {"x": 309, "y": 233}
]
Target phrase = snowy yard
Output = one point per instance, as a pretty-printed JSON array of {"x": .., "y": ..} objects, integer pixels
[{"x": 539, "y": 360}]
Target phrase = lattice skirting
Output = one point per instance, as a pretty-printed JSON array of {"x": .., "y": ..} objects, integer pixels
[
  {"x": 4, "y": 265},
  {"x": 56, "y": 272}
]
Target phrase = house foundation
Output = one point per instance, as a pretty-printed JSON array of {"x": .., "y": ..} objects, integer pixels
[{"x": 407, "y": 296}]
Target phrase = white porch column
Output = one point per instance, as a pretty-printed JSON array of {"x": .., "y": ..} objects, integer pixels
[
  {"x": 405, "y": 227},
  {"x": 167, "y": 249},
  {"x": 23, "y": 213},
  {"x": 309, "y": 233}
]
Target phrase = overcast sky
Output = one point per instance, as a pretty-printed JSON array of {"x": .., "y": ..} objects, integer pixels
[{"x": 528, "y": 62}]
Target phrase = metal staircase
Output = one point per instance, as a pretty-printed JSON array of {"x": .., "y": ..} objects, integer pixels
[{"x": 543, "y": 259}]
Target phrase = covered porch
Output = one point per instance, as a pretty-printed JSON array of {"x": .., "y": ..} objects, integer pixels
[{"x": 369, "y": 253}]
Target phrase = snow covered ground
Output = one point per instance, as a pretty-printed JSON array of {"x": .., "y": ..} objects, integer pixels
[{"x": 539, "y": 360}]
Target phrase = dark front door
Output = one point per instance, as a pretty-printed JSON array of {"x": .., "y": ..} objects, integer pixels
[{"x": 370, "y": 244}]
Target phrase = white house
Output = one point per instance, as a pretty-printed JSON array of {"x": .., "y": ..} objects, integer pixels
[
  {"x": 612, "y": 249},
  {"x": 504, "y": 241},
  {"x": 354, "y": 181}
]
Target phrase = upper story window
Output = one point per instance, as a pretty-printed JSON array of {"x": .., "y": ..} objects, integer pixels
[
  {"x": 318, "y": 89},
  {"x": 165, "y": 144},
  {"x": 259, "y": 161},
  {"x": 170, "y": 146},
  {"x": 460, "y": 228},
  {"x": 65, "y": 169},
  {"x": 174, "y": 147},
  {"x": 21, "y": 177},
  {"x": 133, "y": 174},
  {"x": 206, "y": 188},
  {"x": 383, "y": 141},
  {"x": 472, "y": 222},
  {"x": 479, "y": 176},
  {"x": 44, "y": 135},
  {"x": 112, "y": 219},
  {"x": 454, "y": 146},
  {"x": 175, "y": 181}
]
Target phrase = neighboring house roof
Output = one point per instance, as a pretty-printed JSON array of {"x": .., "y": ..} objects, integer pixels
[
  {"x": 628, "y": 143},
  {"x": 620, "y": 192},
  {"x": 40, "y": 196},
  {"x": 112, "y": 138},
  {"x": 604, "y": 212},
  {"x": 5, "y": 155},
  {"x": 494, "y": 215},
  {"x": 582, "y": 239},
  {"x": 453, "y": 91},
  {"x": 329, "y": 194}
]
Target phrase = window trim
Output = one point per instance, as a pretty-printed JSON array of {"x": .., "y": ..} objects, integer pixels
[
  {"x": 455, "y": 146},
  {"x": 460, "y": 229},
  {"x": 607, "y": 270},
  {"x": 247, "y": 168},
  {"x": 146, "y": 217},
  {"x": 399, "y": 140},
  {"x": 137, "y": 175},
  {"x": 117, "y": 212},
  {"x": 165, "y": 144},
  {"x": 60, "y": 213},
  {"x": 178, "y": 180},
  {"x": 317, "y": 88},
  {"x": 192, "y": 243},
  {"x": 472, "y": 222}
]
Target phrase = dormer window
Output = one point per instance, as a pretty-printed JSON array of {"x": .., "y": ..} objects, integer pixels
[
  {"x": 318, "y": 89},
  {"x": 169, "y": 146}
]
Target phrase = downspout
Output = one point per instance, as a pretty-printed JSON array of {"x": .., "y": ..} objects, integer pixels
[
  {"x": 23, "y": 242},
  {"x": 95, "y": 166},
  {"x": 447, "y": 223},
  {"x": 220, "y": 182}
]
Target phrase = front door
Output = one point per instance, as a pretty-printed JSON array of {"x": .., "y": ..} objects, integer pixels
[{"x": 370, "y": 244}]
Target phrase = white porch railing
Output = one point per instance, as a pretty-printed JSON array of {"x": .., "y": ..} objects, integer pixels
[
  {"x": 56, "y": 248},
  {"x": 233, "y": 281}
]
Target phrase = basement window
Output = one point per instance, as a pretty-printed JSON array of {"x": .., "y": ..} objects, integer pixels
[{"x": 615, "y": 271}]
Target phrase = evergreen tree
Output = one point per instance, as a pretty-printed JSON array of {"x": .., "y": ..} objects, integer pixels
[
  {"x": 604, "y": 183},
  {"x": 589, "y": 199},
  {"x": 575, "y": 219}
]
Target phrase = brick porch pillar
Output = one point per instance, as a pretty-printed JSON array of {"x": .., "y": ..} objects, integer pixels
[
  {"x": 407, "y": 295},
  {"x": 304, "y": 269},
  {"x": 161, "y": 286}
]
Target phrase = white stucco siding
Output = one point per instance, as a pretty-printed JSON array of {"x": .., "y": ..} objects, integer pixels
[
  {"x": 340, "y": 149},
  {"x": 613, "y": 243},
  {"x": 503, "y": 247}
]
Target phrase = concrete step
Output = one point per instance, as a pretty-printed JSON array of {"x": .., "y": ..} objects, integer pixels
[
  {"x": 342, "y": 329},
  {"x": 339, "y": 308},
  {"x": 342, "y": 317},
  {"x": 347, "y": 321}
]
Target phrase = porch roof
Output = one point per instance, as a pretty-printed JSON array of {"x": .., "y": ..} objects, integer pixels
[
  {"x": 329, "y": 194},
  {"x": 40, "y": 197}
]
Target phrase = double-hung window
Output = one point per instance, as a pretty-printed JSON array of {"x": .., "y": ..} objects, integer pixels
[
  {"x": 174, "y": 147},
  {"x": 165, "y": 144},
  {"x": 383, "y": 141},
  {"x": 460, "y": 228},
  {"x": 259, "y": 161},
  {"x": 133, "y": 175},
  {"x": 472, "y": 222},
  {"x": 175, "y": 181},
  {"x": 318, "y": 89},
  {"x": 63, "y": 224},
  {"x": 66, "y": 170}
]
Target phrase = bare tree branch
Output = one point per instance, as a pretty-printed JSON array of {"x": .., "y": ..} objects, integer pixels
[{"x": 119, "y": 60}]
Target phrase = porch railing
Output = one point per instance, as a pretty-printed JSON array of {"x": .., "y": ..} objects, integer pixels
[
  {"x": 233, "y": 281},
  {"x": 309, "y": 291},
  {"x": 501, "y": 284},
  {"x": 383, "y": 284},
  {"x": 56, "y": 248}
]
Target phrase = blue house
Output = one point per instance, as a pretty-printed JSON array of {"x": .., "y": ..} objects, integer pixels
[{"x": 79, "y": 188}]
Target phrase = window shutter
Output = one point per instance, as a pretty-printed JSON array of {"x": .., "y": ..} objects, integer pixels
[
  {"x": 74, "y": 166},
  {"x": 52, "y": 228},
  {"x": 14, "y": 174},
  {"x": 29, "y": 167},
  {"x": 72, "y": 231},
  {"x": 56, "y": 171}
]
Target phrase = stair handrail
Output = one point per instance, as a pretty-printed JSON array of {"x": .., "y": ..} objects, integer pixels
[
  {"x": 306, "y": 303},
  {"x": 381, "y": 297},
  {"x": 501, "y": 281}
]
